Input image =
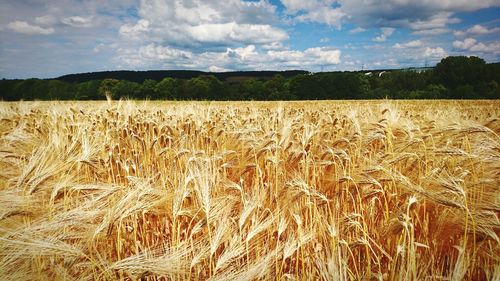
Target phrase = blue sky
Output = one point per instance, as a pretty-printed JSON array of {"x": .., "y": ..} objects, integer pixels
[{"x": 47, "y": 39}]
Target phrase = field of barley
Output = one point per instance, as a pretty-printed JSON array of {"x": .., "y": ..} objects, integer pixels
[{"x": 327, "y": 190}]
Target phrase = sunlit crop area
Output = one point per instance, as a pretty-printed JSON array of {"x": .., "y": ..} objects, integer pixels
[{"x": 349, "y": 190}]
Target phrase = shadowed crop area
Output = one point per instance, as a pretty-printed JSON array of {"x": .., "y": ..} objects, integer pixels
[{"x": 345, "y": 190}]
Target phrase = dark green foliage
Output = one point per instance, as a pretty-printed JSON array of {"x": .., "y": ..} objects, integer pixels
[
  {"x": 454, "y": 72},
  {"x": 88, "y": 90},
  {"x": 126, "y": 89},
  {"x": 453, "y": 77},
  {"x": 158, "y": 75},
  {"x": 167, "y": 88},
  {"x": 107, "y": 87},
  {"x": 148, "y": 89}
]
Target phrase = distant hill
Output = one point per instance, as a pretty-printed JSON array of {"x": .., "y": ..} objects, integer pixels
[{"x": 158, "y": 75}]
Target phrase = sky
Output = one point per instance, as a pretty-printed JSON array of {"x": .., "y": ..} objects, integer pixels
[{"x": 46, "y": 39}]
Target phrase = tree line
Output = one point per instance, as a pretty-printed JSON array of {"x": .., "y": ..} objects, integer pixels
[{"x": 457, "y": 77}]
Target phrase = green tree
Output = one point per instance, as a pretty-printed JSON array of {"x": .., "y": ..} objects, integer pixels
[
  {"x": 167, "y": 88},
  {"x": 106, "y": 87},
  {"x": 88, "y": 90},
  {"x": 126, "y": 89},
  {"x": 31, "y": 89},
  {"x": 463, "y": 92},
  {"x": 488, "y": 90},
  {"x": 202, "y": 87},
  {"x": 461, "y": 70},
  {"x": 7, "y": 90},
  {"x": 435, "y": 92},
  {"x": 148, "y": 89},
  {"x": 305, "y": 87},
  {"x": 59, "y": 90},
  {"x": 276, "y": 88},
  {"x": 252, "y": 89}
]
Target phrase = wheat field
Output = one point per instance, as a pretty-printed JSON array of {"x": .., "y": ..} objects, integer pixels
[{"x": 330, "y": 190}]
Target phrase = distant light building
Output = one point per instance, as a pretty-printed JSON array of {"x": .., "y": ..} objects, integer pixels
[{"x": 418, "y": 69}]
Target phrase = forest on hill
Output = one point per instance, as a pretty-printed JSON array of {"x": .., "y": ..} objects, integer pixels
[
  {"x": 158, "y": 75},
  {"x": 457, "y": 77}
]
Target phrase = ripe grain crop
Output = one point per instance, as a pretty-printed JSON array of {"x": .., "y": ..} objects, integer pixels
[{"x": 348, "y": 190}]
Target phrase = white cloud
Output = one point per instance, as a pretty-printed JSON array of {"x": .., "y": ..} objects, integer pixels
[
  {"x": 410, "y": 44},
  {"x": 324, "y": 15},
  {"x": 105, "y": 47},
  {"x": 357, "y": 30},
  {"x": 134, "y": 30},
  {"x": 247, "y": 57},
  {"x": 476, "y": 30},
  {"x": 437, "y": 52},
  {"x": 46, "y": 20},
  {"x": 321, "y": 11},
  {"x": 374, "y": 47},
  {"x": 151, "y": 54},
  {"x": 294, "y": 6},
  {"x": 274, "y": 46},
  {"x": 493, "y": 47},
  {"x": 234, "y": 32},
  {"x": 324, "y": 55},
  {"x": 26, "y": 28},
  {"x": 386, "y": 32},
  {"x": 472, "y": 45},
  {"x": 407, "y": 54},
  {"x": 78, "y": 21},
  {"x": 431, "y": 32},
  {"x": 191, "y": 23},
  {"x": 464, "y": 45},
  {"x": 214, "y": 68}
]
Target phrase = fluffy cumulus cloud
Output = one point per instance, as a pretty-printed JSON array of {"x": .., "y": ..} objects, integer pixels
[
  {"x": 27, "y": 28},
  {"x": 210, "y": 35},
  {"x": 437, "y": 52},
  {"x": 46, "y": 20},
  {"x": 466, "y": 44},
  {"x": 245, "y": 57},
  {"x": 192, "y": 23},
  {"x": 385, "y": 32},
  {"x": 223, "y": 33},
  {"x": 420, "y": 52},
  {"x": 410, "y": 44},
  {"x": 477, "y": 29},
  {"x": 321, "y": 11},
  {"x": 308, "y": 57},
  {"x": 473, "y": 46},
  {"x": 274, "y": 46},
  {"x": 151, "y": 54},
  {"x": 135, "y": 30}
]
